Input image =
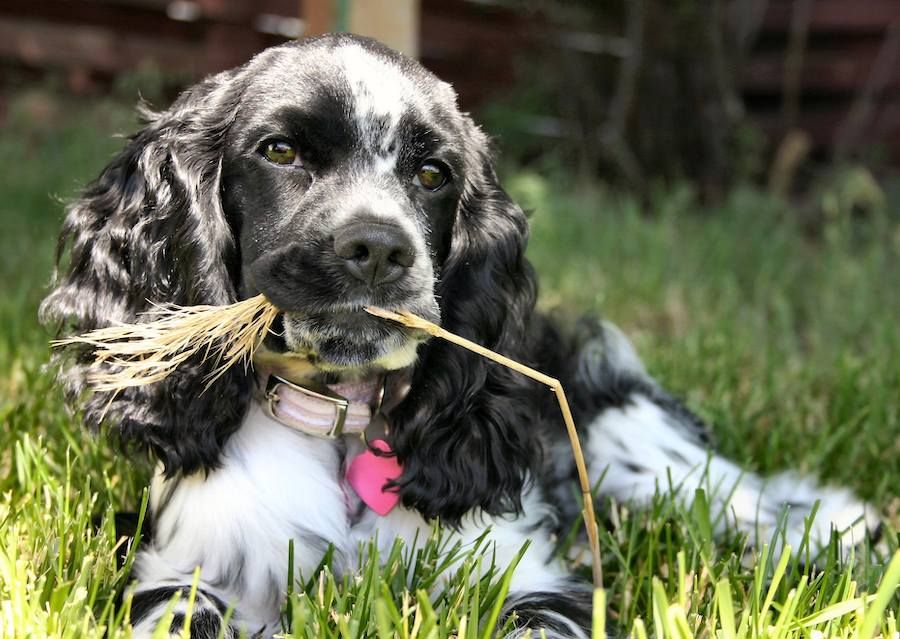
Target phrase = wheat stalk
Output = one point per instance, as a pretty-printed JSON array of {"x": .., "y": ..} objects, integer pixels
[
  {"x": 590, "y": 520},
  {"x": 151, "y": 351}
]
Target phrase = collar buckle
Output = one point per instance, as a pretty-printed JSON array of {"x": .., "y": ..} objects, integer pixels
[{"x": 340, "y": 404}]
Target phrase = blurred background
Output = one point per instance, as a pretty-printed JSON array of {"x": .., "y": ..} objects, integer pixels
[{"x": 717, "y": 92}]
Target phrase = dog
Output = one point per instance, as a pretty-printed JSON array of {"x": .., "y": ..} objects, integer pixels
[{"x": 332, "y": 174}]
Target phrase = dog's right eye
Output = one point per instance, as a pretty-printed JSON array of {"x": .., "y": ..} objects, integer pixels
[{"x": 280, "y": 152}]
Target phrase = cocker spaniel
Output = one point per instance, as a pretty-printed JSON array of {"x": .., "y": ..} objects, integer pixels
[{"x": 331, "y": 174}]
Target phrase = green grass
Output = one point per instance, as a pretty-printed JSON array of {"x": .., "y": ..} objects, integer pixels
[{"x": 790, "y": 345}]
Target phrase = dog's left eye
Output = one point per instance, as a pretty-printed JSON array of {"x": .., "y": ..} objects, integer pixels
[
  {"x": 280, "y": 152},
  {"x": 432, "y": 175}
]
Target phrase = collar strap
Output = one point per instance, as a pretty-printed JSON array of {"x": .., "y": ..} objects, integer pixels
[{"x": 321, "y": 412}]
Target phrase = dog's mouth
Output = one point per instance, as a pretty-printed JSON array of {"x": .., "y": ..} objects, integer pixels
[{"x": 348, "y": 340}]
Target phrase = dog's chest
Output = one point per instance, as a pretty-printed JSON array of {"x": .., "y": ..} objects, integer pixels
[{"x": 275, "y": 485}]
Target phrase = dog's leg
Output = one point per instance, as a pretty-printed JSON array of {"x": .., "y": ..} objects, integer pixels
[
  {"x": 235, "y": 524},
  {"x": 643, "y": 441},
  {"x": 560, "y": 614},
  {"x": 544, "y": 597},
  {"x": 543, "y": 594},
  {"x": 162, "y": 590},
  {"x": 150, "y": 605}
]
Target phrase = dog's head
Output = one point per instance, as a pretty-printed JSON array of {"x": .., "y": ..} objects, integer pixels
[
  {"x": 328, "y": 174},
  {"x": 343, "y": 168}
]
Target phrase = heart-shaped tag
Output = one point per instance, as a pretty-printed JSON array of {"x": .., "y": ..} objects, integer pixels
[{"x": 369, "y": 473}]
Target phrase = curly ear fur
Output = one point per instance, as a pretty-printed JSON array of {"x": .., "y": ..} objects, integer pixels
[
  {"x": 463, "y": 432},
  {"x": 149, "y": 230}
]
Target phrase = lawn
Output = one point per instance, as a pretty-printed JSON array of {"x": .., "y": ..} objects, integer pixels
[{"x": 787, "y": 341}]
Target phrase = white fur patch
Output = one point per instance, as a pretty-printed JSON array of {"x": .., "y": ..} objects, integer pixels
[
  {"x": 379, "y": 87},
  {"x": 381, "y": 95},
  {"x": 641, "y": 445}
]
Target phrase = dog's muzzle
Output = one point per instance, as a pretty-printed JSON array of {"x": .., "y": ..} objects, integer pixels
[{"x": 375, "y": 253}]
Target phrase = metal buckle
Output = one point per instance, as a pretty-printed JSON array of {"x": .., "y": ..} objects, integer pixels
[{"x": 340, "y": 404}]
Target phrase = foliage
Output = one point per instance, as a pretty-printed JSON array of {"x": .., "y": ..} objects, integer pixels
[{"x": 637, "y": 91}]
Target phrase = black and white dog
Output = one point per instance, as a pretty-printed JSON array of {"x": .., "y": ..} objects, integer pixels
[{"x": 332, "y": 174}]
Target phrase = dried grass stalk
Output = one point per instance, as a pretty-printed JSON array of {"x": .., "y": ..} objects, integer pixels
[
  {"x": 149, "y": 352},
  {"x": 590, "y": 520}
]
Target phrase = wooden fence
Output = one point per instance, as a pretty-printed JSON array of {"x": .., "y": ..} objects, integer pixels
[{"x": 843, "y": 89}]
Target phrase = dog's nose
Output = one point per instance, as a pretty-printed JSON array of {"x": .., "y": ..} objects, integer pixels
[{"x": 375, "y": 252}]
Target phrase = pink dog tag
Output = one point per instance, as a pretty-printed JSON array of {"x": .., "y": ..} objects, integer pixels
[{"x": 368, "y": 474}]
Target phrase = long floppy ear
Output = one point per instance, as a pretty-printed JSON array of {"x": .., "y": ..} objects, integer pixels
[
  {"x": 150, "y": 230},
  {"x": 463, "y": 433}
]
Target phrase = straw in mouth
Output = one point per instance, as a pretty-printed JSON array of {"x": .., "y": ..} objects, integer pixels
[{"x": 148, "y": 352}]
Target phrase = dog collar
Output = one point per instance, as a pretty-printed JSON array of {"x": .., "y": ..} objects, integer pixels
[
  {"x": 333, "y": 411},
  {"x": 326, "y": 411}
]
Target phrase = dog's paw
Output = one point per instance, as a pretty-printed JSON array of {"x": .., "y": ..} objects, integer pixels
[
  {"x": 814, "y": 513},
  {"x": 154, "y": 607}
]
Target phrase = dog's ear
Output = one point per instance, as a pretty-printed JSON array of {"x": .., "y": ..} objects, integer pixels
[
  {"x": 151, "y": 230},
  {"x": 463, "y": 432}
]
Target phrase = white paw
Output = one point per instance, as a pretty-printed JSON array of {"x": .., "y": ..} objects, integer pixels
[{"x": 838, "y": 510}]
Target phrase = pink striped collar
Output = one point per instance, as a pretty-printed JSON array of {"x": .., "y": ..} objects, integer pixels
[{"x": 326, "y": 411}]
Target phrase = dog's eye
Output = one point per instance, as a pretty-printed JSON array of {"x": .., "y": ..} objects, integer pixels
[
  {"x": 280, "y": 152},
  {"x": 432, "y": 176}
]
